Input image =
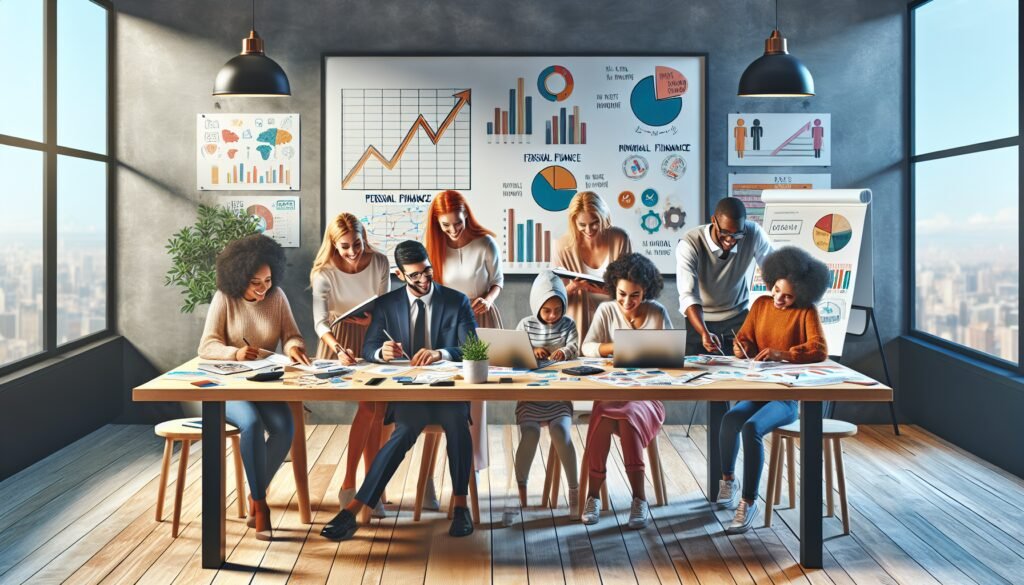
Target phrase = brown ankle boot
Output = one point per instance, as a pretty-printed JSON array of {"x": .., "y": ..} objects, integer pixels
[
  {"x": 263, "y": 530},
  {"x": 250, "y": 521}
]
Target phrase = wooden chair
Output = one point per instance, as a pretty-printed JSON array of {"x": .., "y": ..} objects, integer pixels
[
  {"x": 432, "y": 443},
  {"x": 175, "y": 430},
  {"x": 832, "y": 433},
  {"x": 581, "y": 413}
]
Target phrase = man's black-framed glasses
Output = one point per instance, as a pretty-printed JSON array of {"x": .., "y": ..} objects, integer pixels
[
  {"x": 414, "y": 276},
  {"x": 736, "y": 236}
]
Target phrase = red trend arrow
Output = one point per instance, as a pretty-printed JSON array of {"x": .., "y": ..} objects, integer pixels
[{"x": 421, "y": 122}]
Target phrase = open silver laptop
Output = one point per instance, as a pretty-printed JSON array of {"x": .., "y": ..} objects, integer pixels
[
  {"x": 650, "y": 348},
  {"x": 510, "y": 348}
]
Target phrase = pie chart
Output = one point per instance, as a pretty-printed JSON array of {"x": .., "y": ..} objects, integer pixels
[
  {"x": 832, "y": 233},
  {"x": 649, "y": 109},
  {"x": 553, "y": 187}
]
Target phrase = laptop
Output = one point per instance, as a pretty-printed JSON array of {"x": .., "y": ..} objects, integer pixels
[
  {"x": 650, "y": 348},
  {"x": 510, "y": 348}
]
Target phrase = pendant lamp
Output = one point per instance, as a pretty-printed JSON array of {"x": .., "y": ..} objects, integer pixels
[
  {"x": 252, "y": 74},
  {"x": 776, "y": 73}
]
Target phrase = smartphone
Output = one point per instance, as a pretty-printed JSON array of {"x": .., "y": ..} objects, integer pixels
[{"x": 374, "y": 381}]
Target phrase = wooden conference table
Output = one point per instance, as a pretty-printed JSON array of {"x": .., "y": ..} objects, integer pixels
[{"x": 718, "y": 394}]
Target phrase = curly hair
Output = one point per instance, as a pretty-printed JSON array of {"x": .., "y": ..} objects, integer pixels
[
  {"x": 240, "y": 259},
  {"x": 808, "y": 277},
  {"x": 635, "y": 268}
]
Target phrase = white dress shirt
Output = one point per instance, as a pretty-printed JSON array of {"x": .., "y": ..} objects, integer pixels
[{"x": 413, "y": 313}]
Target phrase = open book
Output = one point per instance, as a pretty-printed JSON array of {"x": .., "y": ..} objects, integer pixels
[
  {"x": 364, "y": 307},
  {"x": 562, "y": 272}
]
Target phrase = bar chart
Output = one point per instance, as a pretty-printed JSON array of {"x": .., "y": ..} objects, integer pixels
[
  {"x": 565, "y": 129},
  {"x": 839, "y": 276},
  {"x": 526, "y": 241},
  {"x": 514, "y": 125},
  {"x": 255, "y": 175}
]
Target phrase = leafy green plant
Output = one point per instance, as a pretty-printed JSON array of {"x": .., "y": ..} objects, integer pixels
[
  {"x": 474, "y": 349},
  {"x": 194, "y": 250}
]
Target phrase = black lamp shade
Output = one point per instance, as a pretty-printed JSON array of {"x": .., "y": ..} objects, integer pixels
[
  {"x": 776, "y": 75},
  {"x": 251, "y": 74}
]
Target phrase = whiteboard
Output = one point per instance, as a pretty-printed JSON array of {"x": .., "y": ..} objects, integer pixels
[{"x": 518, "y": 136}]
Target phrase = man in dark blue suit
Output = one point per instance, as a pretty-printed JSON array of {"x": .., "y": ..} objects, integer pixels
[{"x": 428, "y": 323}]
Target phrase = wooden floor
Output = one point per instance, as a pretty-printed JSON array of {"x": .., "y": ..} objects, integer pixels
[{"x": 923, "y": 512}]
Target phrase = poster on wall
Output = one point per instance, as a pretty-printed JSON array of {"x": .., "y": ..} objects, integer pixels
[
  {"x": 519, "y": 137},
  {"x": 278, "y": 216},
  {"x": 247, "y": 152},
  {"x": 748, "y": 188},
  {"x": 829, "y": 224},
  {"x": 780, "y": 140}
]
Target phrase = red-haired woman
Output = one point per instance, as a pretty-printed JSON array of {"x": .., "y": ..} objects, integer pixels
[
  {"x": 465, "y": 257},
  {"x": 347, "y": 271}
]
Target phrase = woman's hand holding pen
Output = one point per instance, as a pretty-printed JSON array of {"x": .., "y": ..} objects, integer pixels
[
  {"x": 247, "y": 353},
  {"x": 346, "y": 356}
]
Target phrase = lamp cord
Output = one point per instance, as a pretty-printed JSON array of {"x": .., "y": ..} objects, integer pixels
[
  {"x": 776, "y": 14},
  {"x": 253, "y": 13}
]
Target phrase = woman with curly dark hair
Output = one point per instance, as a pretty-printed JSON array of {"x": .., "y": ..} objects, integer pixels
[
  {"x": 249, "y": 316},
  {"x": 634, "y": 282},
  {"x": 783, "y": 326}
]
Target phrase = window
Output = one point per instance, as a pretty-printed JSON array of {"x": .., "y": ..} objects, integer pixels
[
  {"x": 965, "y": 163},
  {"x": 54, "y": 169}
]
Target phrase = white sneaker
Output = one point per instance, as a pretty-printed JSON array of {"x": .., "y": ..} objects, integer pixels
[
  {"x": 378, "y": 511},
  {"x": 639, "y": 514},
  {"x": 728, "y": 493},
  {"x": 509, "y": 515},
  {"x": 345, "y": 496},
  {"x": 744, "y": 518},
  {"x": 430, "y": 501},
  {"x": 574, "y": 504},
  {"x": 592, "y": 511}
]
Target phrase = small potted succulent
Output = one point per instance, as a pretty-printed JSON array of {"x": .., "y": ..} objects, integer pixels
[{"x": 474, "y": 360}]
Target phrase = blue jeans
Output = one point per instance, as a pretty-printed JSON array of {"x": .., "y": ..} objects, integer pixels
[
  {"x": 753, "y": 420},
  {"x": 262, "y": 456}
]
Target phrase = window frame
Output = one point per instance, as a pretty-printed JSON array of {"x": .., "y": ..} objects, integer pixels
[
  {"x": 50, "y": 149},
  {"x": 911, "y": 159}
]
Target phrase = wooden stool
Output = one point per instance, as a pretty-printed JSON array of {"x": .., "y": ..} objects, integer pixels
[
  {"x": 432, "y": 442},
  {"x": 653, "y": 459},
  {"x": 832, "y": 433},
  {"x": 175, "y": 430}
]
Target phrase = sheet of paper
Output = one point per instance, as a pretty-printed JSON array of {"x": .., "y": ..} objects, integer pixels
[{"x": 391, "y": 369}]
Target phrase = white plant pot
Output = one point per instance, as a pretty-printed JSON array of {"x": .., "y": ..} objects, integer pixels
[{"x": 475, "y": 372}]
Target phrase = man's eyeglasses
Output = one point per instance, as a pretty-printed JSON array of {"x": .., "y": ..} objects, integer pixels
[
  {"x": 736, "y": 236},
  {"x": 428, "y": 271}
]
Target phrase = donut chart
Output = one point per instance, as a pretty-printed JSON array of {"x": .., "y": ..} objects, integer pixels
[
  {"x": 832, "y": 233},
  {"x": 553, "y": 188},
  {"x": 266, "y": 217},
  {"x": 542, "y": 83}
]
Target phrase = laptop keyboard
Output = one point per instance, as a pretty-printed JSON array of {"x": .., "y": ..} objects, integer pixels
[{"x": 541, "y": 364}]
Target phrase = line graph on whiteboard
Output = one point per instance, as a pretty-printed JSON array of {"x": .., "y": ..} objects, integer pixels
[
  {"x": 387, "y": 226},
  {"x": 416, "y": 139}
]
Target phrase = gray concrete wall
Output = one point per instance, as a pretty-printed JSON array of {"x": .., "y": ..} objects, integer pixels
[{"x": 169, "y": 53}]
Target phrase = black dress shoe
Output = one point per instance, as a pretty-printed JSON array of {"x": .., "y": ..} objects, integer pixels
[
  {"x": 341, "y": 527},
  {"x": 462, "y": 523}
]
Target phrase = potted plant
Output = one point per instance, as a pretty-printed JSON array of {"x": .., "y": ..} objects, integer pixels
[
  {"x": 474, "y": 359},
  {"x": 194, "y": 250}
]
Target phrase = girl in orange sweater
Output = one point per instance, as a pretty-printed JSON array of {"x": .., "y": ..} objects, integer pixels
[{"x": 781, "y": 327}]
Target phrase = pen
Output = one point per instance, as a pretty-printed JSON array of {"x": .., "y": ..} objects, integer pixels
[
  {"x": 697, "y": 376},
  {"x": 392, "y": 340},
  {"x": 246, "y": 341},
  {"x": 743, "y": 349}
]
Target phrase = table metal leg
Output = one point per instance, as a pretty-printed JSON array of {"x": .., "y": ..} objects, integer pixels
[
  {"x": 810, "y": 486},
  {"x": 716, "y": 410},
  {"x": 214, "y": 479}
]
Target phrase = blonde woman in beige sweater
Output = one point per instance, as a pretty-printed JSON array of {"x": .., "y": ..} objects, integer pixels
[{"x": 249, "y": 313}]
